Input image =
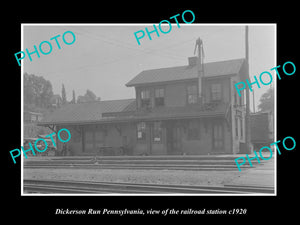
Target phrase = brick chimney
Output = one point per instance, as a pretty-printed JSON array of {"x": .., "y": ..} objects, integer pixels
[{"x": 200, "y": 68}]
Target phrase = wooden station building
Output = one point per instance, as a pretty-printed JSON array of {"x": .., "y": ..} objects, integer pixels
[{"x": 176, "y": 110}]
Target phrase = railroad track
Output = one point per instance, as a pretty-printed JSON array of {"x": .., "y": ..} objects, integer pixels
[
  {"x": 156, "y": 163},
  {"x": 134, "y": 166},
  {"x": 84, "y": 187}
]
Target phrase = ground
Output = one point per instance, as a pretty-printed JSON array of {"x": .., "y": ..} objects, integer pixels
[
  {"x": 261, "y": 175},
  {"x": 134, "y": 176}
]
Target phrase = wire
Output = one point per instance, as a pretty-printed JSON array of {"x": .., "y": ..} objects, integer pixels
[
  {"x": 132, "y": 48},
  {"x": 118, "y": 43}
]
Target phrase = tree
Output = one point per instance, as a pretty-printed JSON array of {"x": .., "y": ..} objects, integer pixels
[
  {"x": 29, "y": 96},
  {"x": 88, "y": 97},
  {"x": 46, "y": 94},
  {"x": 267, "y": 101},
  {"x": 73, "y": 98},
  {"x": 63, "y": 95},
  {"x": 37, "y": 91}
]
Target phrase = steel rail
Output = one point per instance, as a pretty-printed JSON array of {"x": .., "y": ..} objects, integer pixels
[
  {"x": 138, "y": 167},
  {"x": 64, "y": 186}
]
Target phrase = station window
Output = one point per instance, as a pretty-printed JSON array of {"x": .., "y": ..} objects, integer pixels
[
  {"x": 236, "y": 127},
  {"x": 145, "y": 98},
  {"x": 99, "y": 138},
  {"x": 157, "y": 132},
  {"x": 89, "y": 140},
  {"x": 241, "y": 99},
  {"x": 216, "y": 92},
  {"x": 93, "y": 138},
  {"x": 241, "y": 124},
  {"x": 192, "y": 94},
  {"x": 235, "y": 98},
  {"x": 159, "y": 97},
  {"x": 193, "y": 132},
  {"x": 218, "y": 139},
  {"x": 141, "y": 131}
]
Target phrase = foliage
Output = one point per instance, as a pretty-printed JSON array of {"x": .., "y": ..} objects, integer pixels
[
  {"x": 63, "y": 95},
  {"x": 88, "y": 97},
  {"x": 37, "y": 91},
  {"x": 267, "y": 101},
  {"x": 73, "y": 98}
]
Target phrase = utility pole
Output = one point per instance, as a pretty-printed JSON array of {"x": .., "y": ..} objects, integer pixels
[
  {"x": 248, "y": 129},
  {"x": 253, "y": 101}
]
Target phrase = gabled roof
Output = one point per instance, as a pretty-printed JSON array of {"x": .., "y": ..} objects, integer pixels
[
  {"x": 88, "y": 111},
  {"x": 228, "y": 67}
]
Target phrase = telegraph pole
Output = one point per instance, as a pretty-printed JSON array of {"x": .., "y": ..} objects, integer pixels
[
  {"x": 253, "y": 98},
  {"x": 248, "y": 129}
]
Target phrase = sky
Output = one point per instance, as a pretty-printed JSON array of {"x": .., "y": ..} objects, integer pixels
[{"x": 104, "y": 57}]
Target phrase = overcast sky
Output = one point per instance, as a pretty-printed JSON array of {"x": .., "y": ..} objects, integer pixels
[{"x": 105, "y": 57}]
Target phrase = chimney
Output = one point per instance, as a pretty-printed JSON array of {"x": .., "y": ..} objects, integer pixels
[{"x": 200, "y": 67}]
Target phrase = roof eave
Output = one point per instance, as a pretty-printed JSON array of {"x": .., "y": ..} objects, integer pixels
[
  {"x": 176, "y": 81},
  {"x": 132, "y": 119}
]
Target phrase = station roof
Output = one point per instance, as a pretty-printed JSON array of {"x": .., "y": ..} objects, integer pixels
[
  {"x": 125, "y": 111},
  {"x": 88, "y": 111},
  {"x": 228, "y": 67}
]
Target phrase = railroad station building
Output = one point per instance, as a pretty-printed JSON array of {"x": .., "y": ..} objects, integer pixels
[{"x": 176, "y": 110}]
